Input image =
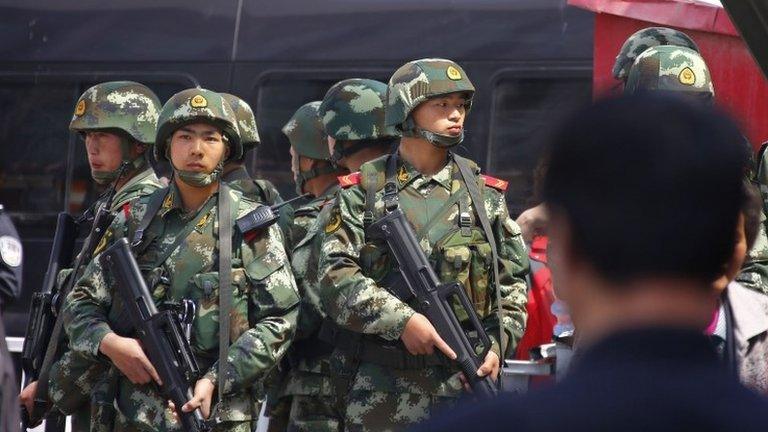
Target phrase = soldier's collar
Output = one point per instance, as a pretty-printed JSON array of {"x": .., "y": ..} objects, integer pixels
[
  {"x": 407, "y": 174},
  {"x": 172, "y": 201}
]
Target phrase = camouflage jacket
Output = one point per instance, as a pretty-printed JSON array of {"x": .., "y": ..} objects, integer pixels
[
  {"x": 264, "y": 312},
  {"x": 310, "y": 371},
  {"x": 69, "y": 391},
  {"x": 143, "y": 183},
  {"x": 263, "y": 192},
  {"x": 352, "y": 268}
]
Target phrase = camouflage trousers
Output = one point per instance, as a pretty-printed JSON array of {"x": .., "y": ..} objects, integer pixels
[
  {"x": 310, "y": 413},
  {"x": 309, "y": 402},
  {"x": 83, "y": 389},
  {"x": 122, "y": 425},
  {"x": 384, "y": 399}
]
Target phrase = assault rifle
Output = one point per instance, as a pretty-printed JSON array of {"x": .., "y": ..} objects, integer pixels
[
  {"x": 434, "y": 299},
  {"x": 160, "y": 333},
  {"x": 37, "y": 336}
]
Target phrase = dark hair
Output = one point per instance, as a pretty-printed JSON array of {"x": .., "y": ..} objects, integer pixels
[
  {"x": 650, "y": 186},
  {"x": 753, "y": 212}
]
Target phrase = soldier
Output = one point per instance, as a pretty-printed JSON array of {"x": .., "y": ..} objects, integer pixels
[
  {"x": 533, "y": 221},
  {"x": 353, "y": 118},
  {"x": 313, "y": 171},
  {"x": 682, "y": 71},
  {"x": 175, "y": 233},
  {"x": 260, "y": 190},
  {"x": 117, "y": 121},
  {"x": 386, "y": 355},
  {"x": 313, "y": 174}
]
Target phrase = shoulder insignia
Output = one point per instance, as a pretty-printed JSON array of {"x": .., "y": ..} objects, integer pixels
[
  {"x": 10, "y": 251},
  {"x": 102, "y": 243},
  {"x": 334, "y": 222},
  {"x": 127, "y": 210},
  {"x": 495, "y": 183},
  {"x": 348, "y": 180}
]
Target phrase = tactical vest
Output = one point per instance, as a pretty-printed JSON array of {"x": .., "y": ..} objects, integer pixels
[{"x": 465, "y": 253}]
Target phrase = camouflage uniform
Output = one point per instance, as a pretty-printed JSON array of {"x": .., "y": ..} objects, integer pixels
[
  {"x": 260, "y": 190},
  {"x": 642, "y": 40},
  {"x": 683, "y": 71},
  {"x": 354, "y": 270},
  {"x": 352, "y": 111},
  {"x": 178, "y": 255},
  {"x": 128, "y": 108}
]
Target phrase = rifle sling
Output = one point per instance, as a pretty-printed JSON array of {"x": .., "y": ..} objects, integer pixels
[
  {"x": 479, "y": 205},
  {"x": 225, "y": 282}
]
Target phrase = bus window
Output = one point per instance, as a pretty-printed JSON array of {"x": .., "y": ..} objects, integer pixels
[
  {"x": 524, "y": 108},
  {"x": 35, "y": 142}
]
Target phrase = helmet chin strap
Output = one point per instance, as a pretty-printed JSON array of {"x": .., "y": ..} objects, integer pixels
[
  {"x": 438, "y": 140},
  {"x": 195, "y": 178},
  {"x": 304, "y": 176}
]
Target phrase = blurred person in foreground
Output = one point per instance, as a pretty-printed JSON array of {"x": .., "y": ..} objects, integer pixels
[
  {"x": 739, "y": 326},
  {"x": 629, "y": 259}
]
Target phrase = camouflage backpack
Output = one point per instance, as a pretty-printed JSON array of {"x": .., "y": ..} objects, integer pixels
[
  {"x": 644, "y": 39},
  {"x": 417, "y": 81}
]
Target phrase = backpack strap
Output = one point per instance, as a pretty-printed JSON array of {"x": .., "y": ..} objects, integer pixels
[{"x": 471, "y": 180}]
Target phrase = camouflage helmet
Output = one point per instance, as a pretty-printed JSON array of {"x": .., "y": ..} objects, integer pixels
[
  {"x": 197, "y": 105},
  {"x": 417, "y": 81},
  {"x": 353, "y": 110},
  {"x": 305, "y": 132},
  {"x": 670, "y": 69},
  {"x": 246, "y": 121},
  {"x": 644, "y": 39},
  {"x": 124, "y": 105}
]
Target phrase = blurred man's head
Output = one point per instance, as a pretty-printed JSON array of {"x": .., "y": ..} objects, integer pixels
[{"x": 645, "y": 193}]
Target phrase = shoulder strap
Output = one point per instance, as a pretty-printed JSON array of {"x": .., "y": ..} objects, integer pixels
[
  {"x": 225, "y": 282},
  {"x": 155, "y": 202},
  {"x": 474, "y": 192}
]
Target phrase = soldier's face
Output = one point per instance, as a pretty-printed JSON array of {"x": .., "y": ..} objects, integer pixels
[
  {"x": 197, "y": 147},
  {"x": 104, "y": 150},
  {"x": 442, "y": 115}
]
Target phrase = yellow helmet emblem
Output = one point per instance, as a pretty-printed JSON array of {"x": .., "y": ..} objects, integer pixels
[
  {"x": 687, "y": 77},
  {"x": 453, "y": 73},
  {"x": 80, "y": 108},
  {"x": 198, "y": 101}
]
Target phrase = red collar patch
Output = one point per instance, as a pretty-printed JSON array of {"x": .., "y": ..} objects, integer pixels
[
  {"x": 348, "y": 180},
  {"x": 495, "y": 183}
]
